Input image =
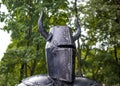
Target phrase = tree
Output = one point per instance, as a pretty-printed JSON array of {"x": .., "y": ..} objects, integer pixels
[
  {"x": 25, "y": 55},
  {"x": 101, "y": 23}
]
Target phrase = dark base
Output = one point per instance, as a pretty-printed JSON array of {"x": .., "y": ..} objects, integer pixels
[{"x": 44, "y": 80}]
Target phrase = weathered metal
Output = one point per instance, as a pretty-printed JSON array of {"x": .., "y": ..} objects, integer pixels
[
  {"x": 45, "y": 80},
  {"x": 60, "y": 57},
  {"x": 60, "y": 54},
  {"x": 47, "y": 35},
  {"x": 60, "y": 50},
  {"x": 43, "y": 32}
]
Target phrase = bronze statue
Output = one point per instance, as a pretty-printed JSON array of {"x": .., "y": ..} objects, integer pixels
[{"x": 60, "y": 56}]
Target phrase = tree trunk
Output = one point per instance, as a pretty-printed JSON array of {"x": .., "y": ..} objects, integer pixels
[
  {"x": 25, "y": 69},
  {"x": 33, "y": 67},
  {"x": 117, "y": 2},
  {"x": 21, "y": 72},
  {"x": 34, "y": 62},
  {"x": 115, "y": 53}
]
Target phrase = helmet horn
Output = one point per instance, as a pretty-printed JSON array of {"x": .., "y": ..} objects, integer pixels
[
  {"x": 78, "y": 31},
  {"x": 43, "y": 32}
]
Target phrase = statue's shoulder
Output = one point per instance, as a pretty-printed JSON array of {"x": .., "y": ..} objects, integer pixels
[
  {"x": 38, "y": 80},
  {"x": 82, "y": 81}
]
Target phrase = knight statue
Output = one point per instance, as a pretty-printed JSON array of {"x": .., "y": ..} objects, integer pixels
[{"x": 60, "y": 56}]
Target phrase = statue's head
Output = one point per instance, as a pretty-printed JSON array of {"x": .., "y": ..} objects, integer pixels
[{"x": 60, "y": 50}]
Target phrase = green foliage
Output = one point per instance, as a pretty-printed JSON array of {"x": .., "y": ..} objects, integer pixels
[
  {"x": 101, "y": 62},
  {"x": 25, "y": 55}
]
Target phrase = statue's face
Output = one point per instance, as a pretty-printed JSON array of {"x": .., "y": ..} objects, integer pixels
[{"x": 60, "y": 53}]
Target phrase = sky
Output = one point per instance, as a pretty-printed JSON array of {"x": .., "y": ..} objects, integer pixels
[{"x": 4, "y": 36}]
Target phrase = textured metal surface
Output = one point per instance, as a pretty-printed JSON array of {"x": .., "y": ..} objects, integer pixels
[
  {"x": 43, "y": 32},
  {"x": 46, "y": 35},
  {"x": 44, "y": 80},
  {"x": 60, "y": 56},
  {"x": 59, "y": 50},
  {"x": 82, "y": 81},
  {"x": 38, "y": 80},
  {"x": 59, "y": 53}
]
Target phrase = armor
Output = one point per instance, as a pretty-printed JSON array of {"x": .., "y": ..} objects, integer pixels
[
  {"x": 60, "y": 57},
  {"x": 45, "y": 80},
  {"x": 60, "y": 50},
  {"x": 59, "y": 53}
]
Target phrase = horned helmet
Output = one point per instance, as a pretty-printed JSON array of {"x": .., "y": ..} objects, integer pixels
[{"x": 60, "y": 50}]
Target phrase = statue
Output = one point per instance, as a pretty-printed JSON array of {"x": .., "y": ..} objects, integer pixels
[{"x": 60, "y": 57}]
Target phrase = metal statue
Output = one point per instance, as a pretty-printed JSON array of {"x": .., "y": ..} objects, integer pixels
[{"x": 60, "y": 57}]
